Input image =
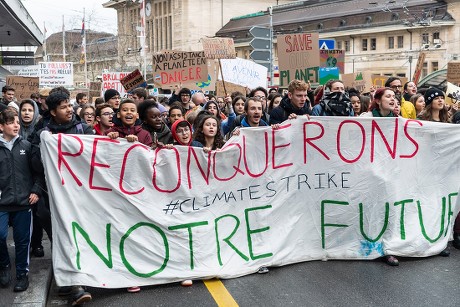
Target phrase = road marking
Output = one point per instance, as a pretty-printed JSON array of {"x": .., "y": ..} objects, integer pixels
[{"x": 220, "y": 293}]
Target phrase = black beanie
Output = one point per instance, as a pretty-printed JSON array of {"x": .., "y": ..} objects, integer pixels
[
  {"x": 110, "y": 93},
  {"x": 431, "y": 94}
]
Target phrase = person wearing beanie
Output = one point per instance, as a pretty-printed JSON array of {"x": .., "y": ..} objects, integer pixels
[
  {"x": 112, "y": 97},
  {"x": 435, "y": 109}
]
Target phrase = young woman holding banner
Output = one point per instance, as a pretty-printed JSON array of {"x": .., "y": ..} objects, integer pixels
[{"x": 383, "y": 104}]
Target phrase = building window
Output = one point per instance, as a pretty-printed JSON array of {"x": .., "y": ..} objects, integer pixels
[
  {"x": 435, "y": 35},
  {"x": 425, "y": 69},
  {"x": 373, "y": 44},
  {"x": 339, "y": 45},
  {"x": 425, "y": 38},
  {"x": 434, "y": 66},
  {"x": 364, "y": 45},
  {"x": 400, "y": 42},
  {"x": 391, "y": 42},
  {"x": 347, "y": 46}
]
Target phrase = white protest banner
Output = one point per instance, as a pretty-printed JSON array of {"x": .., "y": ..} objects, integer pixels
[
  {"x": 324, "y": 188},
  {"x": 244, "y": 72},
  {"x": 112, "y": 80},
  {"x": 54, "y": 74}
]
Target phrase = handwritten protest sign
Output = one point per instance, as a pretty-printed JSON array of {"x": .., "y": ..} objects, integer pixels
[
  {"x": 219, "y": 48},
  {"x": 453, "y": 72},
  {"x": 53, "y": 74},
  {"x": 179, "y": 67},
  {"x": 452, "y": 94},
  {"x": 230, "y": 87},
  {"x": 324, "y": 188},
  {"x": 244, "y": 72},
  {"x": 133, "y": 80},
  {"x": 298, "y": 57},
  {"x": 331, "y": 58},
  {"x": 23, "y": 86},
  {"x": 111, "y": 80}
]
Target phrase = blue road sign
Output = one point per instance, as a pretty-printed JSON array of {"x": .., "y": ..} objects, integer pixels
[{"x": 327, "y": 44}]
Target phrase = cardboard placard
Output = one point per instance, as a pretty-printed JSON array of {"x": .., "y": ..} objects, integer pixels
[
  {"x": 332, "y": 58},
  {"x": 361, "y": 81},
  {"x": 133, "y": 80},
  {"x": 298, "y": 57},
  {"x": 179, "y": 68},
  {"x": 419, "y": 67},
  {"x": 378, "y": 81},
  {"x": 219, "y": 48},
  {"x": 23, "y": 86},
  {"x": 95, "y": 89},
  {"x": 230, "y": 87},
  {"x": 453, "y": 72}
]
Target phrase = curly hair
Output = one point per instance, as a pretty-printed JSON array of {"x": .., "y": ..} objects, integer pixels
[{"x": 198, "y": 135}]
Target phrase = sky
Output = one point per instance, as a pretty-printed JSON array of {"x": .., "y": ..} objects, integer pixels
[{"x": 97, "y": 18}]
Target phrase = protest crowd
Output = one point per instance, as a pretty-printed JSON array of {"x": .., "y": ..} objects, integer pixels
[{"x": 186, "y": 118}]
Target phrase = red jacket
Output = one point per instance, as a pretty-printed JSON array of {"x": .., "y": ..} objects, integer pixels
[{"x": 142, "y": 135}]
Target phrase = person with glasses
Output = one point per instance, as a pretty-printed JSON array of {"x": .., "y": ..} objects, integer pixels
[
  {"x": 104, "y": 115},
  {"x": 181, "y": 131},
  {"x": 182, "y": 95},
  {"x": 88, "y": 114},
  {"x": 407, "y": 108}
]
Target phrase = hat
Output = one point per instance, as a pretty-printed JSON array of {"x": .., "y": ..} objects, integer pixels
[
  {"x": 110, "y": 93},
  {"x": 44, "y": 92},
  {"x": 431, "y": 94}
]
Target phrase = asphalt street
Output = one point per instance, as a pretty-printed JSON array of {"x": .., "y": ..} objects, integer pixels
[{"x": 433, "y": 281}]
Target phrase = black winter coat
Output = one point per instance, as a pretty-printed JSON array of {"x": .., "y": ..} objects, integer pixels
[
  {"x": 17, "y": 176},
  {"x": 281, "y": 112}
]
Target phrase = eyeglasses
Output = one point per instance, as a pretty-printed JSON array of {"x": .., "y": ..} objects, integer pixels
[
  {"x": 183, "y": 131},
  {"x": 396, "y": 86},
  {"x": 260, "y": 97},
  {"x": 107, "y": 114},
  {"x": 185, "y": 95},
  {"x": 89, "y": 114}
]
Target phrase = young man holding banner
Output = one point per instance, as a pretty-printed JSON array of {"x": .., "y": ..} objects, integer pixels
[
  {"x": 294, "y": 103},
  {"x": 63, "y": 120}
]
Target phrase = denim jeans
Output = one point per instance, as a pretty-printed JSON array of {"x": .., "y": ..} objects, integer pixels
[{"x": 22, "y": 228}]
